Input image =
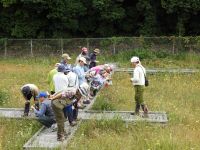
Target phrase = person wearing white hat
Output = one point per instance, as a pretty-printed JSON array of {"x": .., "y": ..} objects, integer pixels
[
  {"x": 79, "y": 70},
  {"x": 138, "y": 81},
  {"x": 62, "y": 100}
]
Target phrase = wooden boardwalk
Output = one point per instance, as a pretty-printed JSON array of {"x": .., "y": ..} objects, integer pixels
[{"x": 160, "y": 70}]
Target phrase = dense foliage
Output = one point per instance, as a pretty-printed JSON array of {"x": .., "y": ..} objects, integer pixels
[{"x": 98, "y": 18}]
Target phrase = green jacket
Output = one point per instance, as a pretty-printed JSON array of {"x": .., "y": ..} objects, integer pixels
[{"x": 50, "y": 79}]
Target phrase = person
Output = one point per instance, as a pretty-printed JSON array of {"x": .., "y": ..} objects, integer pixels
[
  {"x": 60, "y": 80},
  {"x": 93, "y": 61},
  {"x": 61, "y": 100},
  {"x": 50, "y": 78},
  {"x": 29, "y": 91},
  {"x": 79, "y": 70},
  {"x": 138, "y": 81},
  {"x": 97, "y": 82},
  {"x": 65, "y": 59},
  {"x": 84, "y": 53},
  {"x": 70, "y": 110},
  {"x": 45, "y": 114}
]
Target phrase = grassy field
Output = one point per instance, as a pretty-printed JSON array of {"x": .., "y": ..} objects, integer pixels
[{"x": 177, "y": 94}]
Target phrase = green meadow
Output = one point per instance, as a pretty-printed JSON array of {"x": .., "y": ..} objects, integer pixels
[{"x": 177, "y": 94}]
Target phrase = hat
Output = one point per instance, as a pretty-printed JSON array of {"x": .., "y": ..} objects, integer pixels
[
  {"x": 135, "y": 59},
  {"x": 57, "y": 64},
  {"x": 83, "y": 89},
  {"x": 42, "y": 94},
  {"x": 84, "y": 49},
  {"x": 83, "y": 60},
  {"x": 96, "y": 50},
  {"x": 67, "y": 69},
  {"x": 61, "y": 68},
  {"x": 66, "y": 56}
]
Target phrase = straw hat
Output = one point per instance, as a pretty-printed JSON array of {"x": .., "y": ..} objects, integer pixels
[{"x": 96, "y": 50}]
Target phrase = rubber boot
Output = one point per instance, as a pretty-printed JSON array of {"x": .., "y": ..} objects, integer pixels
[
  {"x": 137, "y": 109},
  {"x": 144, "y": 108},
  {"x": 26, "y": 108}
]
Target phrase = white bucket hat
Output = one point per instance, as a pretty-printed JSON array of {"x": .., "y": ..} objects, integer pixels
[{"x": 83, "y": 60}]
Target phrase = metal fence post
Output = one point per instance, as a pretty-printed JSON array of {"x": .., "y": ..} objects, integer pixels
[
  {"x": 5, "y": 48},
  {"x": 31, "y": 42},
  {"x": 88, "y": 44}
]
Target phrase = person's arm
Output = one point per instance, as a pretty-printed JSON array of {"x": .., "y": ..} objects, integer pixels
[
  {"x": 56, "y": 96},
  {"x": 40, "y": 112}
]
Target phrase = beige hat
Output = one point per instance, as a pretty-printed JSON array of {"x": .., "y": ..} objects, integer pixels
[
  {"x": 135, "y": 59},
  {"x": 83, "y": 60},
  {"x": 96, "y": 50},
  {"x": 66, "y": 56}
]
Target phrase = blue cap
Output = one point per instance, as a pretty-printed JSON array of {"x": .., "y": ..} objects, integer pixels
[
  {"x": 42, "y": 94},
  {"x": 61, "y": 68}
]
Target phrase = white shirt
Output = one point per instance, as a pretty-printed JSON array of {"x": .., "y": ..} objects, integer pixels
[
  {"x": 73, "y": 80},
  {"x": 139, "y": 75},
  {"x": 60, "y": 81}
]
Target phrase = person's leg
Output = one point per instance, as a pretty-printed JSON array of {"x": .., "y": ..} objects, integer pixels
[
  {"x": 75, "y": 111},
  {"x": 46, "y": 121},
  {"x": 59, "y": 115},
  {"x": 137, "y": 99},
  {"x": 26, "y": 92},
  {"x": 68, "y": 112}
]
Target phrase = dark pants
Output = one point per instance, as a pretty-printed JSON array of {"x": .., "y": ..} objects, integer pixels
[
  {"x": 75, "y": 110},
  {"x": 68, "y": 112},
  {"x": 46, "y": 121},
  {"x": 92, "y": 64}
]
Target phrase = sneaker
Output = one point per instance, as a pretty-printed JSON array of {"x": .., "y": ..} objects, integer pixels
[
  {"x": 86, "y": 102},
  {"x": 54, "y": 127},
  {"x": 73, "y": 123}
]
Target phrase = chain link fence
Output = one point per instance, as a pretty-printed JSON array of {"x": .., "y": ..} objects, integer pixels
[{"x": 51, "y": 47}]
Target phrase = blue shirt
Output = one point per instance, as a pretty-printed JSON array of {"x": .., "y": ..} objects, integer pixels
[
  {"x": 45, "y": 109},
  {"x": 79, "y": 70}
]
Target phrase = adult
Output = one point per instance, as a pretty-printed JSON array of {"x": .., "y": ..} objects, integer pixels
[
  {"x": 50, "y": 78},
  {"x": 138, "y": 81},
  {"x": 79, "y": 70},
  {"x": 29, "y": 91},
  {"x": 93, "y": 55},
  {"x": 45, "y": 114},
  {"x": 65, "y": 60},
  {"x": 63, "y": 99},
  {"x": 60, "y": 80}
]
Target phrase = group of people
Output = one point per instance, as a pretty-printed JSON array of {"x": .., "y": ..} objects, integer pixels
[{"x": 72, "y": 87}]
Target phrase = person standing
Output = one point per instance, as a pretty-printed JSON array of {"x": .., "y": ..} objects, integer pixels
[
  {"x": 29, "y": 91},
  {"x": 79, "y": 70},
  {"x": 93, "y": 61},
  {"x": 45, "y": 114},
  {"x": 65, "y": 59},
  {"x": 138, "y": 81},
  {"x": 50, "y": 78}
]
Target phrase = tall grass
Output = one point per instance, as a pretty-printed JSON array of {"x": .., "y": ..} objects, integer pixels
[{"x": 177, "y": 94}]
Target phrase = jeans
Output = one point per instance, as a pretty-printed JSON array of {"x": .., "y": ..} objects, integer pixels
[
  {"x": 68, "y": 112},
  {"x": 46, "y": 121}
]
